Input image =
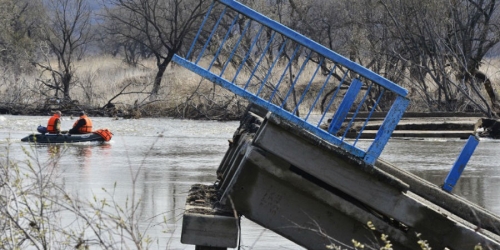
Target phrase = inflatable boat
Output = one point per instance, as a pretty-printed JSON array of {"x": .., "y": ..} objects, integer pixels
[{"x": 100, "y": 135}]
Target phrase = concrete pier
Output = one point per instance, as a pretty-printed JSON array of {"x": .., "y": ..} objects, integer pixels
[
  {"x": 207, "y": 224},
  {"x": 317, "y": 195},
  {"x": 306, "y": 182}
]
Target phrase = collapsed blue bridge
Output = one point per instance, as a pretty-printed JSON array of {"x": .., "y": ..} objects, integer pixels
[
  {"x": 280, "y": 72},
  {"x": 260, "y": 72}
]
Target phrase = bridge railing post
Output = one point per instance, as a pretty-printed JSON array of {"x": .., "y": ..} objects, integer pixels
[
  {"x": 461, "y": 162},
  {"x": 385, "y": 131},
  {"x": 343, "y": 109}
]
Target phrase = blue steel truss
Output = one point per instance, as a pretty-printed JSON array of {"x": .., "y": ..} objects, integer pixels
[{"x": 275, "y": 67}]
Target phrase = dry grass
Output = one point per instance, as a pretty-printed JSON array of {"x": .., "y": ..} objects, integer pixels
[
  {"x": 182, "y": 93},
  {"x": 104, "y": 77},
  {"x": 108, "y": 76},
  {"x": 491, "y": 67},
  {"x": 99, "y": 79}
]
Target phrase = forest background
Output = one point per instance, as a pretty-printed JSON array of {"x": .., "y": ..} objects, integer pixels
[{"x": 113, "y": 57}]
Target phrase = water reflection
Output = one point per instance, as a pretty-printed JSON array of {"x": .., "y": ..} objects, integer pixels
[
  {"x": 54, "y": 150},
  {"x": 159, "y": 170},
  {"x": 432, "y": 160}
]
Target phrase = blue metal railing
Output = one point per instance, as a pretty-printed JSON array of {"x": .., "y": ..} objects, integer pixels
[{"x": 279, "y": 69}]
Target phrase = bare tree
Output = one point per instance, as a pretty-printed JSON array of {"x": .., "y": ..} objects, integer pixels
[
  {"x": 443, "y": 44},
  {"x": 434, "y": 48},
  {"x": 159, "y": 25},
  {"x": 66, "y": 35},
  {"x": 114, "y": 39},
  {"x": 18, "y": 28},
  {"x": 18, "y": 37},
  {"x": 474, "y": 32}
]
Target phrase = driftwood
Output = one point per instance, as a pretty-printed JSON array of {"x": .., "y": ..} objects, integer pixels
[
  {"x": 491, "y": 128},
  {"x": 203, "y": 111}
]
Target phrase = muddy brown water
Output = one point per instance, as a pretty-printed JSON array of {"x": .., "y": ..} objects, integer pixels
[{"x": 167, "y": 156}]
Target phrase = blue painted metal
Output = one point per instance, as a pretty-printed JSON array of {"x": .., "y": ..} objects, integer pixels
[
  {"x": 368, "y": 117},
  {"x": 296, "y": 78},
  {"x": 236, "y": 47},
  {"x": 333, "y": 96},
  {"x": 210, "y": 37},
  {"x": 460, "y": 164},
  {"x": 384, "y": 132},
  {"x": 284, "y": 71},
  {"x": 272, "y": 67},
  {"x": 320, "y": 49},
  {"x": 188, "y": 55},
  {"x": 247, "y": 55},
  {"x": 320, "y": 93},
  {"x": 344, "y": 107},
  {"x": 223, "y": 42},
  {"x": 264, "y": 83},
  {"x": 261, "y": 58},
  {"x": 307, "y": 89},
  {"x": 356, "y": 113},
  {"x": 272, "y": 108}
]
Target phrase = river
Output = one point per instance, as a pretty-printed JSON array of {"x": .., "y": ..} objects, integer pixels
[{"x": 158, "y": 159}]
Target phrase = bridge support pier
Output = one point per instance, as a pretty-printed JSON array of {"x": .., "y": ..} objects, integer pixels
[
  {"x": 317, "y": 195},
  {"x": 206, "y": 223}
]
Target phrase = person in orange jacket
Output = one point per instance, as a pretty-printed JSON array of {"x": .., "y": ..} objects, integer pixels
[
  {"x": 82, "y": 126},
  {"x": 54, "y": 123}
]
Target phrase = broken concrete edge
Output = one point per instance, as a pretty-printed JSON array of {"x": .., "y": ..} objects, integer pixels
[
  {"x": 260, "y": 195},
  {"x": 403, "y": 180},
  {"x": 267, "y": 193},
  {"x": 210, "y": 230},
  {"x": 206, "y": 222},
  {"x": 454, "y": 204},
  {"x": 205, "y": 199},
  {"x": 249, "y": 122},
  {"x": 355, "y": 161}
]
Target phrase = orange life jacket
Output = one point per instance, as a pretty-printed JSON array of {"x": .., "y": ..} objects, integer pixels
[
  {"x": 51, "y": 125},
  {"x": 88, "y": 125},
  {"x": 104, "y": 133}
]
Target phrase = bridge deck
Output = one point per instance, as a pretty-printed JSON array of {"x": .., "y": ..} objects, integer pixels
[
  {"x": 296, "y": 184},
  {"x": 275, "y": 67},
  {"x": 301, "y": 177}
]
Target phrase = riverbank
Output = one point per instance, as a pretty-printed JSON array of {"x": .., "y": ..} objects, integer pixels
[
  {"x": 413, "y": 124},
  {"x": 69, "y": 110},
  {"x": 157, "y": 109}
]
